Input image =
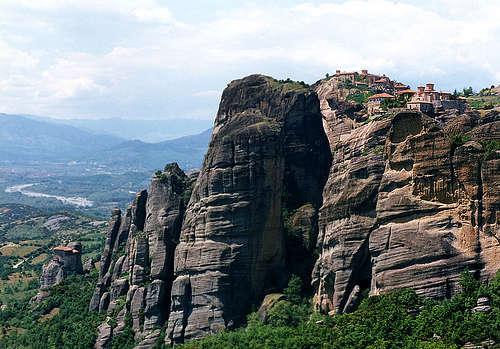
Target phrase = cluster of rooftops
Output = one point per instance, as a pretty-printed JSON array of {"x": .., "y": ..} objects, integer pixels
[
  {"x": 423, "y": 94},
  {"x": 424, "y": 99}
]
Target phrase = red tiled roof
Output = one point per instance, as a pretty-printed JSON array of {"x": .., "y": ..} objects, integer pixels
[
  {"x": 406, "y": 91},
  {"x": 65, "y": 249},
  {"x": 381, "y": 95},
  {"x": 382, "y": 80}
]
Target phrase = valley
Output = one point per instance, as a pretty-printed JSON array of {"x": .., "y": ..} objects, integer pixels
[
  {"x": 48, "y": 164},
  {"x": 24, "y": 189},
  {"x": 27, "y": 235},
  {"x": 59, "y": 183},
  {"x": 92, "y": 192}
]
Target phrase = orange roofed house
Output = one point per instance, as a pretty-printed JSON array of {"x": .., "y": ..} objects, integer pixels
[
  {"x": 70, "y": 257},
  {"x": 374, "y": 104},
  {"x": 406, "y": 92}
]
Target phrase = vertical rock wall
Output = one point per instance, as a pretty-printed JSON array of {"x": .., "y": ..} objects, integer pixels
[
  {"x": 399, "y": 200},
  {"x": 268, "y": 153},
  {"x": 137, "y": 262},
  {"x": 409, "y": 202}
]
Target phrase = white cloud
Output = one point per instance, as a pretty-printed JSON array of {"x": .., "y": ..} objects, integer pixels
[
  {"x": 93, "y": 58},
  {"x": 153, "y": 15},
  {"x": 13, "y": 60}
]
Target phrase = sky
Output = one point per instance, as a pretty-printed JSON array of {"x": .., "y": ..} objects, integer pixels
[{"x": 156, "y": 59}]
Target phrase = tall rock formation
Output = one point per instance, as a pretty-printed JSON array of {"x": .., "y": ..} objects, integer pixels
[
  {"x": 137, "y": 262},
  {"x": 409, "y": 202},
  {"x": 268, "y": 154},
  {"x": 250, "y": 222},
  {"x": 300, "y": 180}
]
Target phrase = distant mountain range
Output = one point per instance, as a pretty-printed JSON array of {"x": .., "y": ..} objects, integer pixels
[
  {"x": 144, "y": 130},
  {"x": 188, "y": 151},
  {"x": 25, "y": 138}
]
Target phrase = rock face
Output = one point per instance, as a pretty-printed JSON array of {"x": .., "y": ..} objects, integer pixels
[
  {"x": 201, "y": 268},
  {"x": 89, "y": 265},
  {"x": 270, "y": 300},
  {"x": 268, "y": 154},
  {"x": 299, "y": 180},
  {"x": 137, "y": 262},
  {"x": 409, "y": 202}
]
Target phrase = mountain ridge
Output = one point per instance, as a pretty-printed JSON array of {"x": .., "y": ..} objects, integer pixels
[
  {"x": 23, "y": 138},
  {"x": 147, "y": 130}
]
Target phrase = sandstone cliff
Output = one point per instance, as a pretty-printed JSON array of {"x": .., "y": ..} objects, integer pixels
[
  {"x": 409, "y": 202},
  {"x": 268, "y": 154},
  {"x": 137, "y": 262},
  {"x": 250, "y": 222}
]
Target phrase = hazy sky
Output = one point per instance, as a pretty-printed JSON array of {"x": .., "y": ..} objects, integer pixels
[{"x": 165, "y": 59}]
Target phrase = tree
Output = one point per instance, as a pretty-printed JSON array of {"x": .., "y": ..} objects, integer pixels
[
  {"x": 468, "y": 91},
  {"x": 293, "y": 292}
]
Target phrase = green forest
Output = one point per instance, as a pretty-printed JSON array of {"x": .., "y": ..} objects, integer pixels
[{"x": 400, "y": 319}]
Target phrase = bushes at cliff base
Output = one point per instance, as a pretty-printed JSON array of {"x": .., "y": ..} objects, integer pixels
[{"x": 397, "y": 320}]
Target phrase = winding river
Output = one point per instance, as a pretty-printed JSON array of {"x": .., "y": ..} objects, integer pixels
[{"x": 72, "y": 200}]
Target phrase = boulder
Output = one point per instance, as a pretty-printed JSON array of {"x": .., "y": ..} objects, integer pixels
[
  {"x": 268, "y": 303},
  {"x": 482, "y": 306}
]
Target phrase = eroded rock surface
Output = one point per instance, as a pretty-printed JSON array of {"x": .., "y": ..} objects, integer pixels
[
  {"x": 137, "y": 262},
  {"x": 268, "y": 153},
  {"x": 300, "y": 180},
  {"x": 409, "y": 202}
]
